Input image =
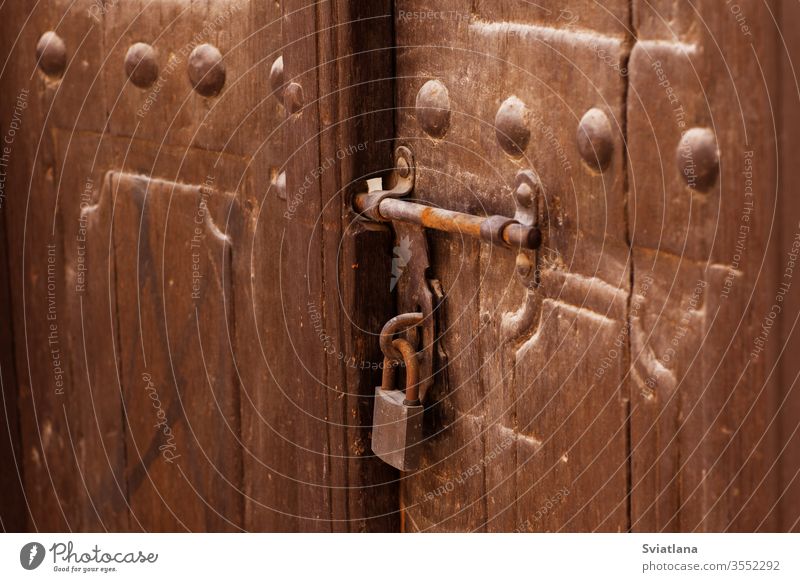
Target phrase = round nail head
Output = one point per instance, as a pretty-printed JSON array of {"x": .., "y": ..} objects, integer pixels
[
  {"x": 276, "y": 78},
  {"x": 595, "y": 139},
  {"x": 433, "y": 108},
  {"x": 51, "y": 54},
  {"x": 524, "y": 265},
  {"x": 206, "y": 70},
  {"x": 402, "y": 168},
  {"x": 698, "y": 158},
  {"x": 293, "y": 98},
  {"x": 524, "y": 194},
  {"x": 511, "y": 127},
  {"x": 140, "y": 64}
]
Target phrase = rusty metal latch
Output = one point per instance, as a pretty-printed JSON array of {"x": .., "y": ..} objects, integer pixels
[
  {"x": 415, "y": 292},
  {"x": 397, "y": 418},
  {"x": 389, "y": 206}
]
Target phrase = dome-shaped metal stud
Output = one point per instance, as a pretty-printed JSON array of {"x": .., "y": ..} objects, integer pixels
[
  {"x": 206, "y": 70},
  {"x": 51, "y": 54},
  {"x": 595, "y": 139},
  {"x": 140, "y": 64},
  {"x": 511, "y": 127},
  {"x": 698, "y": 158},
  {"x": 433, "y": 108}
]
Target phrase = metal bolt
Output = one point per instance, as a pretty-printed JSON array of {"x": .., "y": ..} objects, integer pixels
[
  {"x": 51, "y": 54},
  {"x": 698, "y": 158},
  {"x": 595, "y": 139},
  {"x": 433, "y": 108},
  {"x": 293, "y": 98},
  {"x": 511, "y": 127},
  {"x": 206, "y": 70},
  {"x": 140, "y": 64}
]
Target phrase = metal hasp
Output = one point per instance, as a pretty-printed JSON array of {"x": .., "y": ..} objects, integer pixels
[
  {"x": 397, "y": 416},
  {"x": 388, "y": 206}
]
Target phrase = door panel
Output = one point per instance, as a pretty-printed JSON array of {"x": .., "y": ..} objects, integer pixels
[
  {"x": 704, "y": 396},
  {"x": 195, "y": 305},
  {"x": 532, "y": 430},
  {"x": 216, "y": 343},
  {"x": 169, "y": 248}
]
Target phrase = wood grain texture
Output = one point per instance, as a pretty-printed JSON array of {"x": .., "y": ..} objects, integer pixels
[
  {"x": 788, "y": 50},
  {"x": 704, "y": 428},
  {"x": 195, "y": 349},
  {"x": 13, "y": 512},
  {"x": 180, "y": 391},
  {"x": 13, "y": 509},
  {"x": 527, "y": 436},
  {"x": 96, "y": 419},
  {"x": 36, "y": 265},
  {"x": 355, "y": 51},
  {"x": 324, "y": 279},
  {"x": 248, "y": 421}
]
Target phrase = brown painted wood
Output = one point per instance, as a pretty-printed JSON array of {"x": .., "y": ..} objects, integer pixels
[
  {"x": 356, "y": 99},
  {"x": 260, "y": 447},
  {"x": 527, "y": 436},
  {"x": 705, "y": 427},
  {"x": 181, "y": 394},
  {"x": 788, "y": 50},
  {"x": 617, "y": 393},
  {"x": 96, "y": 414},
  {"x": 35, "y": 244},
  {"x": 13, "y": 511},
  {"x": 323, "y": 269}
]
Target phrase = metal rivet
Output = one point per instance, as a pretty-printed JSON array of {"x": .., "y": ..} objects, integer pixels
[
  {"x": 206, "y": 70},
  {"x": 402, "y": 168},
  {"x": 280, "y": 185},
  {"x": 276, "y": 79},
  {"x": 524, "y": 265},
  {"x": 51, "y": 54},
  {"x": 511, "y": 127},
  {"x": 293, "y": 98},
  {"x": 140, "y": 64},
  {"x": 595, "y": 139},
  {"x": 524, "y": 194},
  {"x": 698, "y": 158},
  {"x": 433, "y": 108}
]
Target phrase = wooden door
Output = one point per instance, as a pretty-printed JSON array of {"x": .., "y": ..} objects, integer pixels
[
  {"x": 185, "y": 357},
  {"x": 639, "y": 393},
  {"x": 194, "y": 305}
]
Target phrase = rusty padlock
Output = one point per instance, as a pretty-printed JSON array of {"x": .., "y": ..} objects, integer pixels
[{"x": 397, "y": 416}]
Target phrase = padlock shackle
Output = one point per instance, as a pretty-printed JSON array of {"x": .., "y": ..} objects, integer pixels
[
  {"x": 387, "y": 379},
  {"x": 395, "y": 325},
  {"x": 412, "y": 370},
  {"x": 411, "y": 362}
]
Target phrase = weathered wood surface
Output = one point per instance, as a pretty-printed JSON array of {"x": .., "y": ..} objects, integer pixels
[
  {"x": 788, "y": 506},
  {"x": 325, "y": 297},
  {"x": 209, "y": 412},
  {"x": 13, "y": 511},
  {"x": 528, "y": 435},
  {"x": 618, "y": 394},
  {"x": 634, "y": 272},
  {"x": 705, "y": 399}
]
